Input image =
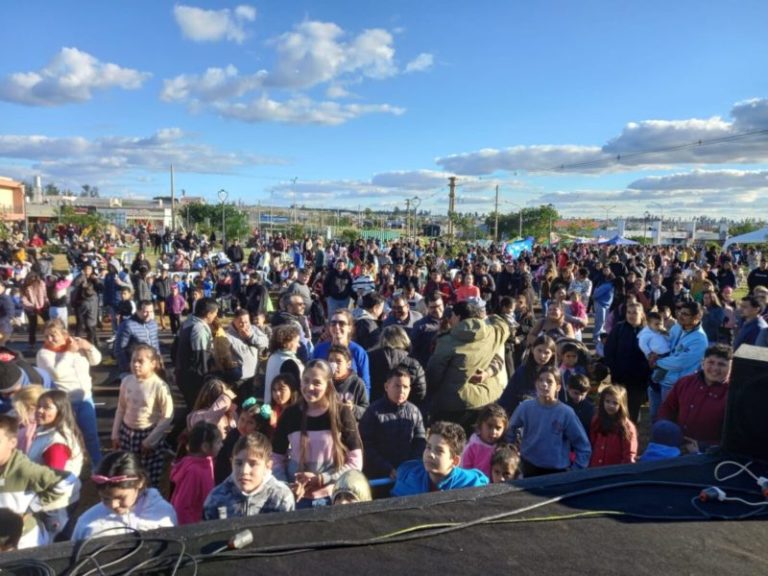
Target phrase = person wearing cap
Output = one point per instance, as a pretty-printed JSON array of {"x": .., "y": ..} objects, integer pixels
[{"x": 300, "y": 286}]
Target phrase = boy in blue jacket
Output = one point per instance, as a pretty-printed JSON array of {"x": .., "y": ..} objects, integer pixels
[{"x": 438, "y": 469}]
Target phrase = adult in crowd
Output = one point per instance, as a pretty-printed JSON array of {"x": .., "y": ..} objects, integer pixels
[
  {"x": 437, "y": 283},
  {"x": 194, "y": 346},
  {"x": 392, "y": 352},
  {"x": 246, "y": 342},
  {"x": 68, "y": 360},
  {"x": 602, "y": 298},
  {"x": 676, "y": 295},
  {"x": 465, "y": 372},
  {"x": 554, "y": 324},
  {"x": 751, "y": 322},
  {"x": 368, "y": 323},
  {"x": 758, "y": 276},
  {"x": 402, "y": 315},
  {"x": 85, "y": 301},
  {"x": 34, "y": 298},
  {"x": 425, "y": 331},
  {"x": 300, "y": 286},
  {"x": 161, "y": 289},
  {"x": 140, "y": 328},
  {"x": 714, "y": 319},
  {"x": 256, "y": 295},
  {"x": 337, "y": 287},
  {"x": 687, "y": 343},
  {"x": 293, "y": 311},
  {"x": 628, "y": 365},
  {"x": 341, "y": 331},
  {"x": 697, "y": 402}
]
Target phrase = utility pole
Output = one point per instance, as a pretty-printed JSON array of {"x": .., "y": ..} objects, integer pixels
[
  {"x": 407, "y": 217},
  {"x": 496, "y": 220},
  {"x": 451, "y": 203},
  {"x": 293, "y": 189},
  {"x": 173, "y": 203}
]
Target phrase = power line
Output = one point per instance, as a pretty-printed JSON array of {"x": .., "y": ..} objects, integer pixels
[{"x": 678, "y": 147}]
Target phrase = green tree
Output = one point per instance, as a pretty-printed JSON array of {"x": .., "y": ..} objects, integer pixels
[
  {"x": 745, "y": 226},
  {"x": 51, "y": 190},
  {"x": 207, "y": 218},
  {"x": 89, "y": 191},
  {"x": 536, "y": 222},
  {"x": 92, "y": 223}
]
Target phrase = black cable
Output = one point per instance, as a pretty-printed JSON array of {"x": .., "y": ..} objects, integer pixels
[{"x": 675, "y": 148}]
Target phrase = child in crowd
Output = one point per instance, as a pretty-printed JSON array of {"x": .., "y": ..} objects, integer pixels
[
  {"x": 578, "y": 399},
  {"x": 253, "y": 417},
  {"x": 667, "y": 319},
  {"x": 351, "y": 487},
  {"x": 192, "y": 476},
  {"x": 542, "y": 451},
  {"x": 32, "y": 490},
  {"x": 126, "y": 307},
  {"x": 439, "y": 468},
  {"x": 612, "y": 433},
  {"x": 505, "y": 463},
  {"x": 489, "y": 431},
  {"x": 392, "y": 429},
  {"x": 576, "y": 314},
  {"x": 144, "y": 411},
  {"x": 285, "y": 392},
  {"x": 25, "y": 406},
  {"x": 57, "y": 442},
  {"x": 251, "y": 488},
  {"x": 522, "y": 385},
  {"x": 127, "y": 501},
  {"x": 573, "y": 361},
  {"x": 175, "y": 304},
  {"x": 215, "y": 404},
  {"x": 666, "y": 439},
  {"x": 316, "y": 440},
  {"x": 349, "y": 386},
  {"x": 653, "y": 339}
]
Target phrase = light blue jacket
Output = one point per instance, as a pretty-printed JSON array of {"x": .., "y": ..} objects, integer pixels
[
  {"x": 686, "y": 353},
  {"x": 412, "y": 478},
  {"x": 603, "y": 294}
]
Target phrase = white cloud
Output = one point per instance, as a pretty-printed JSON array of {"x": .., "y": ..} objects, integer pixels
[
  {"x": 704, "y": 180},
  {"x": 411, "y": 180},
  {"x": 312, "y": 54},
  {"x": 641, "y": 145},
  {"x": 200, "y": 25},
  {"x": 301, "y": 110},
  {"x": 315, "y": 52},
  {"x": 71, "y": 76},
  {"x": 70, "y": 160},
  {"x": 213, "y": 85},
  {"x": 422, "y": 62},
  {"x": 540, "y": 158}
]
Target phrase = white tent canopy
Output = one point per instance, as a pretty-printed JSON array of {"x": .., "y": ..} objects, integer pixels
[{"x": 754, "y": 237}]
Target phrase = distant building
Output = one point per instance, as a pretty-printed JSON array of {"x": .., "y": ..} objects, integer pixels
[{"x": 12, "y": 200}]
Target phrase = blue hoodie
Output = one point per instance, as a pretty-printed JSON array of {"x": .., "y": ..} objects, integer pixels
[{"x": 412, "y": 478}]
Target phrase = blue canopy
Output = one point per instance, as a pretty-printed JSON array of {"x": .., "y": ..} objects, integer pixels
[{"x": 619, "y": 241}]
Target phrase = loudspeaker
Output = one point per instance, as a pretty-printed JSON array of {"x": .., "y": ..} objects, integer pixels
[{"x": 746, "y": 416}]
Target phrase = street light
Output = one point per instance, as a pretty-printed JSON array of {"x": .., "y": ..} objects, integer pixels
[
  {"x": 520, "y": 215},
  {"x": 223, "y": 198}
]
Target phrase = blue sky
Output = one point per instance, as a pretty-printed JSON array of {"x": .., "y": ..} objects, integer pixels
[{"x": 368, "y": 103}]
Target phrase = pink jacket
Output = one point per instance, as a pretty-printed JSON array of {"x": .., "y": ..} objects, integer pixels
[
  {"x": 193, "y": 477},
  {"x": 477, "y": 454},
  {"x": 35, "y": 296}
]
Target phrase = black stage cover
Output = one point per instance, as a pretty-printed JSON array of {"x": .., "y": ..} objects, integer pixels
[{"x": 635, "y": 520}]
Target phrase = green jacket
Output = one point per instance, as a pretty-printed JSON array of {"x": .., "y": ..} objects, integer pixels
[{"x": 468, "y": 347}]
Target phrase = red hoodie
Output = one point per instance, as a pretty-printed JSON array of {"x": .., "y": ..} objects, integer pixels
[{"x": 193, "y": 477}]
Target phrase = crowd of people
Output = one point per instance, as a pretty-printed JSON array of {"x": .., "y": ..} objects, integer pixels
[{"x": 302, "y": 372}]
